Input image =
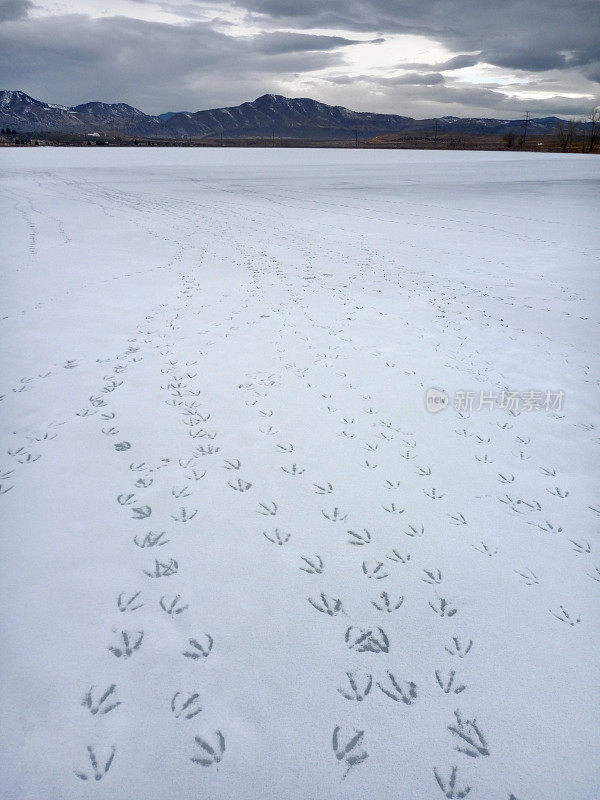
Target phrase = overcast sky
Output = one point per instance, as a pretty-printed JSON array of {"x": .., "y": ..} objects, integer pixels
[{"x": 421, "y": 58}]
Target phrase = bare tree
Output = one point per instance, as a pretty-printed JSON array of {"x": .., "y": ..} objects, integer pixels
[
  {"x": 593, "y": 129},
  {"x": 509, "y": 138},
  {"x": 564, "y": 132}
]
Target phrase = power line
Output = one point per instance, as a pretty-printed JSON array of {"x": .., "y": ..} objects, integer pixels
[{"x": 526, "y": 121}]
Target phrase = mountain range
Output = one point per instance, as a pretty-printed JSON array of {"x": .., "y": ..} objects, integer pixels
[{"x": 298, "y": 118}]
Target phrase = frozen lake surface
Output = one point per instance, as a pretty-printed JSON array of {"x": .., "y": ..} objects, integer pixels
[{"x": 241, "y": 558}]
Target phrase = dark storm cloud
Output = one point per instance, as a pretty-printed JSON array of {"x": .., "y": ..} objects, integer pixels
[
  {"x": 458, "y": 62},
  {"x": 416, "y": 79},
  {"x": 284, "y": 42},
  {"x": 458, "y": 98},
  {"x": 194, "y": 63},
  {"x": 73, "y": 58},
  {"x": 523, "y": 34},
  {"x": 593, "y": 72},
  {"x": 14, "y": 9}
]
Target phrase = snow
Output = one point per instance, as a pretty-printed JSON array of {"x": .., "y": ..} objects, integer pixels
[
  {"x": 233, "y": 347},
  {"x": 7, "y": 96}
]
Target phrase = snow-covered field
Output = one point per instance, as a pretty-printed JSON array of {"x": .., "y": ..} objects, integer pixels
[{"x": 240, "y": 558}]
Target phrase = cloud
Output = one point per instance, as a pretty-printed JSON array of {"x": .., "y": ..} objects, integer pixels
[
  {"x": 277, "y": 42},
  {"x": 458, "y": 62},
  {"x": 592, "y": 72},
  {"x": 472, "y": 100},
  {"x": 414, "y": 79},
  {"x": 197, "y": 60},
  {"x": 519, "y": 34},
  {"x": 14, "y": 9},
  {"x": 73, "y": 58}
]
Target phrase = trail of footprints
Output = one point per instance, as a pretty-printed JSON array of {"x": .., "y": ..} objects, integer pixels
[
  {"x": 321, "y": 372},
  {"x": 467, "y": 733},
  {"x": 181, "y": 394}
]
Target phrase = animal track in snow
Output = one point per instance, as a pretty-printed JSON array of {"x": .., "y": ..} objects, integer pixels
[
  {"x": 174, "y": 606},
  {"x": 375, "y": 570},
  {"x": 129, "y": 643},
  {"x": 457, "y": 648},
  {"x": 277, "y": 536},
  {"x": 314, "y": 565},
  {"x": 393, "y": 509},
  {"x": 564, "y": 616},
  {"x": 99, "y": 765},
  {"x": 141, "y": 512},
  {"x": 267, "y": 509},
  {"x": 350, "y": 751},
  {"x": 369, "y": 640},
  {"x": 199, "y": 651},
  {"x": 184, "y": 515},
  {"x": 386, "y": 603},
  {"x": 129, "y": 603},
  {"x": 332, "y": 606},
  {"x": 151, "y": 539},
  {"x": 433, "y": 576},
  {"x": 400, "y": 692},
  {"x": 448, "y": 785},
  {"x": 163, "y": 569},
  {"x": 360, "y": 686},
  {"x": 210, "y": 754},
  {"x": 240, "y": 485},
  {"x": 468, "y": 737},
  {"x": 447, "y": 684},
  {"x": 485, "y": 549},
  {"x": 106, "y": 703},
  {"x": 399, "y": 557},
  {"x": 529, "y": 577},
  {"x": 185, "y": 707}
]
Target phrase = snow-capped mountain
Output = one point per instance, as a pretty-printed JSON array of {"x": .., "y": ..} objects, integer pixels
[
  {"x": 117, "y": 117},
  {"x": 300, "y": 118},
  {"x": 22, "y": 112},
  {"x": 295, "y": 117},
  {"x": 19, "y": 110}
]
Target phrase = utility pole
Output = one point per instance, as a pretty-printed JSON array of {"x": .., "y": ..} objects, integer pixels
[
  {"x": 273, "y": 139},
  {"x": 355, "y": 137},
  {"x": 436, "y": 127},
  {"x": 221, "y": 138},
  {"x": 526, "y": 121}
]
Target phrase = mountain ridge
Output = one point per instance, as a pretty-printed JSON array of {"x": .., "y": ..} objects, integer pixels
[{"x": 285, "y": 117}]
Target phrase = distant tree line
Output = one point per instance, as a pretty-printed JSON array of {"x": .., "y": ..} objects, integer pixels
[{"x": 581, "y": 135}]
